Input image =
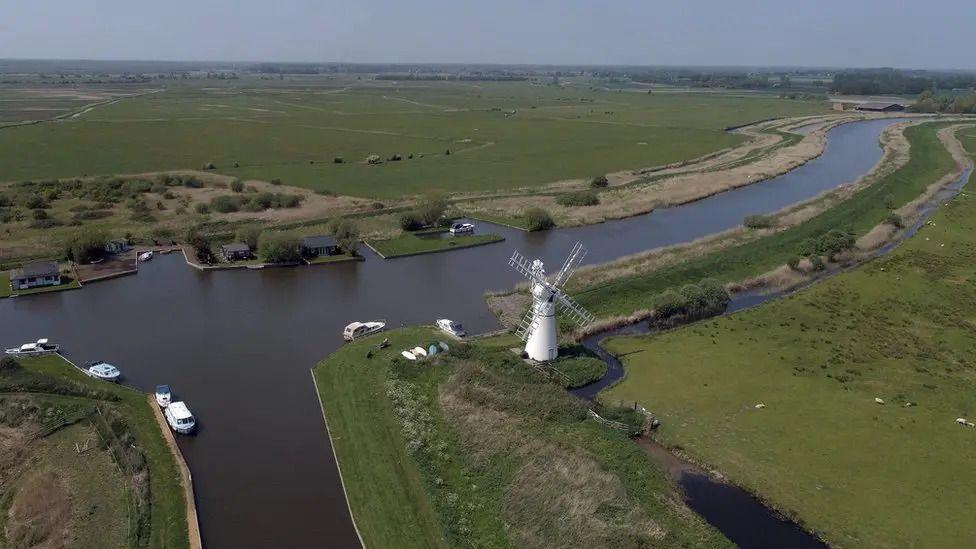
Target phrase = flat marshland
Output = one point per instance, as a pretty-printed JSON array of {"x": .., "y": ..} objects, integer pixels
[
  {"x": 861, "y": 473},
  {"x": 499, "y": 135}
]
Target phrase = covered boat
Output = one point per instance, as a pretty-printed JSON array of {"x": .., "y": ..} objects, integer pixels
[
  {"x": 40, "y": 347},
  {"x": 164, "y": 395},
  {"x": 104, "y": 371},
  {"x": 449, "y": 326},
  {"x": 357, "y": 330},
  {"x": 179, "y": 418}
]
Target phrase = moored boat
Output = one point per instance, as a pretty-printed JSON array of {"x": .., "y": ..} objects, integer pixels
[
  {"x": 146, "y": 256},
  {"x": 461, "y": 228},
  {"x": 39, "y": 347},
  {"x": 449, "y": 326},
  {"x": 179, "y": 418},
  {"x": 357, "y": 330},
  {"x": 103, "y": 370},
  {"x": 164, "y": 395}
]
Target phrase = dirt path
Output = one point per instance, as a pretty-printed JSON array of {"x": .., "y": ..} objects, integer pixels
[{"x": 192, "y": 522}]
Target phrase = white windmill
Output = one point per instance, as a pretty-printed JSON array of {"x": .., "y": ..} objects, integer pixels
[{"x": 538, "y": 327}]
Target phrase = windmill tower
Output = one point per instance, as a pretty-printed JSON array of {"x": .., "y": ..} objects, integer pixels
[{"x": 538, "y": 327}]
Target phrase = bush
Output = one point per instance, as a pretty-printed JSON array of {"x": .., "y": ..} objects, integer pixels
[
  {"x": 39, "y": 214},
  {"x": 276, "y": 182},
  {"x": 817, "y": 263},
  {"x": 432, "y": 208},
  {"x": 200, "y": 245},
  {"x": 337, "y": 160},
  {"x": 202, "y": 208},
  {"x": 706, "y": 298},
  {"x": 279, "y": 247},
  {"x": 46, "y": 223},
  {"x": 599, "y": 182},
  {"x": 35, "y": 201},
  {"x": 537, "y": 219},
  {"x": 793, "y": 262},
  {"x": 85, "y": 246},
  {"x": 410, "y": 221},
  {"x": 237, "y": 186},
  {"x": 8, "y": 364},
  {"x": 579, "y": 198},
  {"x": 224, "y": 204},
  {"x": 895, "y": 220},
  {"x": 210, "y": 166},
  {"x": 347, "y": 235},
  {"x": 758, "y": 221},
  {"x": 192, "y": 183},
  {"x": 249, "y": 234},
  {"x": 829, "y": 244}
]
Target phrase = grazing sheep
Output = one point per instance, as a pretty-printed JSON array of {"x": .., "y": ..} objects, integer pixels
[{"x": 760, "y": 406}]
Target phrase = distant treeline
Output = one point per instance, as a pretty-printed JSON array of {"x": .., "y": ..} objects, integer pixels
[
  {"x": 950, "y": 103},
  {"x": 896, "y": 82},
  {"x": 751, "y": 80},
  {"x": 464, "y": 77}
]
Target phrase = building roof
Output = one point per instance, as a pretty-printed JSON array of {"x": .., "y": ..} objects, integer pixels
[
  {"x": 878, "y": 106},
  {"x": 38, "y": 268},
  {"x": 322, "y": 241},
  {"x": 235, "y": 247}
]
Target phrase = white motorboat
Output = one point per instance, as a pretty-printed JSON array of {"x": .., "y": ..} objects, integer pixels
[
  {"x": 461, "y": 228},
  {"x": 357, "y": 330},
  {"x": 103, "y": 370},
  {"x": 146, "y": 256},
  {"x": 449, "y": 326},
  {"x": 179, "y": 418},
  {"x": 164, "y": 395},
  {"x": 40, "y": 347}
]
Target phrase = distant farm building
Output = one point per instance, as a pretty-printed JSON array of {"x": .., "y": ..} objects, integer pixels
[
  {"x": 35, "y": 275},
  {"x": 235, "y": 252},
  {"x": 880, "y": 107},
  {"x": 315, "y": 246}
]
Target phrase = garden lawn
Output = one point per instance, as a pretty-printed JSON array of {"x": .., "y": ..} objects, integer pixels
[
  {"x": 900, "y": 328},
  {"x": 411, "y": 244}
]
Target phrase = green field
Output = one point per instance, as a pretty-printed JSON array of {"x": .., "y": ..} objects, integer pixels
[
  {"x": 413, "y": 244},
  {"x": 501, "y": 135},
  {"x": 900, "y": 328},
  {"x": 929, "y": 161},
  {"x": 475, "y": 449},
  {"x": 52, "y": 383}
]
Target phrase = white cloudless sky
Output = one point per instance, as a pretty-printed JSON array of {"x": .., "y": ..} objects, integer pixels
[{"x": 933, "y": 34}]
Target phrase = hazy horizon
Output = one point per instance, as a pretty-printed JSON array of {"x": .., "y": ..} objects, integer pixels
[{"x": 706, "y": 33}]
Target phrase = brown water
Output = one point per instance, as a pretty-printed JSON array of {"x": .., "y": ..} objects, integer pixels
[{"x": 238, "y": 345}]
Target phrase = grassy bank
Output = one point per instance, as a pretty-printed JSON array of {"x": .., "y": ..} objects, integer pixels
[
  {"x": 124, "y": 420},
  {"x": 339, "y": 258},
  {"x": 411, "y": 244},
  {"x": 929, "y": 161},
  {"x": 861, "y": 473},
  {"x": 475, "y": 449}
]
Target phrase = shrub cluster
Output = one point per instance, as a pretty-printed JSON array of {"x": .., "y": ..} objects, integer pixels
[
  {"x": 279, "y": 247},
  {"x": 828, "y": 244},
  {"x": 758, "y": 221},
  {"x": 85, "y": 246},
  {"x": 255, "y": 202},
  {"x": 578, "y": 198},
  {"x": 708, "y": 297},
  {"x": 599, "y": 182},
  {"x": 537, "y": 219}
]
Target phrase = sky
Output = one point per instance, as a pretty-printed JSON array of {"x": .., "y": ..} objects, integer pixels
[{"x": 836, "y": 33}]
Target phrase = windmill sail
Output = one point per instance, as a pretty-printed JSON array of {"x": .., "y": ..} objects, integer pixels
[{"x": 575, "y": 258}]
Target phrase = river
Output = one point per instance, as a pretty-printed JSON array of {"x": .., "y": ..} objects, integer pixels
[{"x": 238, "y": 345}]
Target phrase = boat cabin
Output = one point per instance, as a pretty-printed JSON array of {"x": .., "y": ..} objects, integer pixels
[
  {"x": 35, "y": 275},
  {"x": 316, "y": 246},
  {"x": 179, "y": 417}
]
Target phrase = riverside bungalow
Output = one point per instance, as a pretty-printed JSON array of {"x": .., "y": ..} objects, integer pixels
[
  {"x": 35, "y": 275},
  {"x": 874, "y": 106},
  {"x": 237, "y": 251},
  {"x": 315, "y": 246}
]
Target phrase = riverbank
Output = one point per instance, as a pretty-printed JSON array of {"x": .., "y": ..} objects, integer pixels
[
  {"x": 888, "y": 473},
  {"x": 862, "y": 210},
  {"x": 156, "y": 513},
  {"x": 475, "y": 446}
]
